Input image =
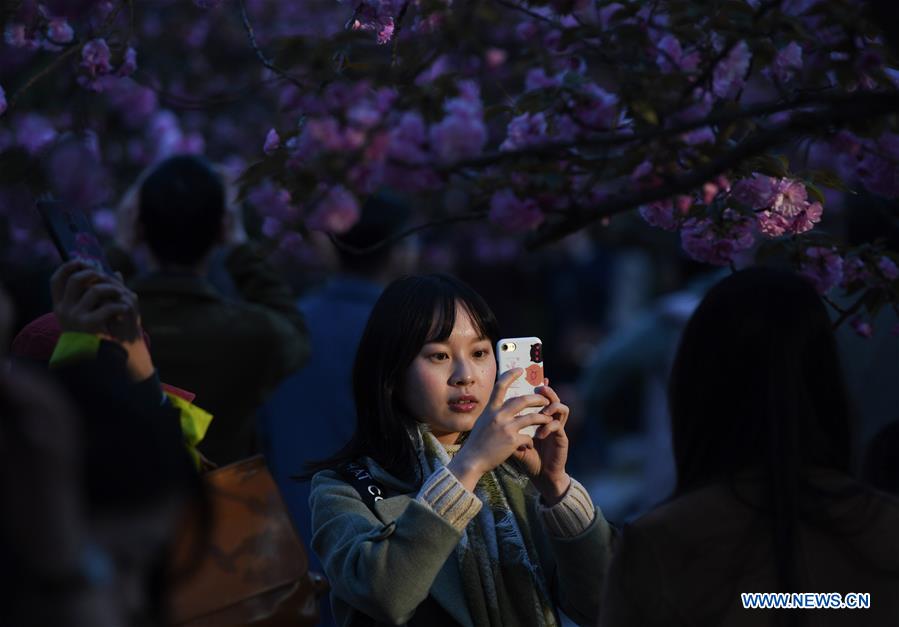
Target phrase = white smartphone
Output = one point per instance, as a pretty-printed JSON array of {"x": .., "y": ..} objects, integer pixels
[{"x": 525, "y": 353}]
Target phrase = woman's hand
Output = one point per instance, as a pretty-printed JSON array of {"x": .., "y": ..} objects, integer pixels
[
  {"x": 545, "y": 460},
  {"x": 86, "y": 300},
  {"x": 89, "y": 301},
  {"x": 496, "y": 436}
]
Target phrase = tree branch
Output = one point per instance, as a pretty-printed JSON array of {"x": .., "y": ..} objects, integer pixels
[
  {"x": 853, "y": 308},
  {"x": 353, "y": 250},
  {"x": 268, "y": 63},
  {"x": 801, "y": 123},
  {"x": 75, "y": 47},
  {"x": 617, "y": 138}
]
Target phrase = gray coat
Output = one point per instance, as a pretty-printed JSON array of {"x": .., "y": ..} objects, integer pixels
[{"x": 388, "y": 565}]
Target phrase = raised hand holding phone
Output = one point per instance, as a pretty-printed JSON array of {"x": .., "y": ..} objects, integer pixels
[
  {"x": 545, "y": 461},
  {"x": 525, "y": 353}
]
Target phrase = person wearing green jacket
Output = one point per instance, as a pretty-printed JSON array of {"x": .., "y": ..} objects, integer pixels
[{"x": 471, "y": 522}]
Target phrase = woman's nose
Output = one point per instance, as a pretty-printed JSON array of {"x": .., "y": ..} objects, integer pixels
[{"x": 463, "y": 375}]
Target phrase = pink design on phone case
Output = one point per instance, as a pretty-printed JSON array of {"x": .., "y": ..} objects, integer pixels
[{"x": 534, "y": 374}]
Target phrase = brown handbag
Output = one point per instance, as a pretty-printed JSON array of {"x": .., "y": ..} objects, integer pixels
[{"x": 251, "y": 569}]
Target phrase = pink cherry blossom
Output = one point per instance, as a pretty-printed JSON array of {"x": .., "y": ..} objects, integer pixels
[
  {"x": 272, "y": 142},
  {"x": 823, "y": 267},
  {"x": 95, "y": 58},
  {"x": 272, "y": 201},
  {"x": 607, "y": 13},
  {"x": 597, "y": 108},
  {"x": 526, "y": 31},
  {"x": 104, "y": 221},
  {"x": 644, "y": 169},
  {"x": 461, "y": 134},
  {"x": 787, "y": 62},
  {"x": 377, "y": 16},
  {"x": 702, "y": 135},
  {"x": 129, "y": 63},
  {"x": 16, "y": 36},
  {"x": 363, "y": 115},
  {"x": 854, "y": 271},
  {"x": 406, "y": 140},
  {"x": 337, "y": 212},
  {"x": 135, "y": 103},
  {"x": 717, "y": 243},
  {"x": 272, "y": 227},
  {"x": 537, "y": 79},
  {"x": 729, "y": 74},
  {"x": 513, "y": 214},
  {"x": 782, "y": 204},
  {"x": 888, "y": 268},
  {"x": 495, "y": 57},
  {"x": 671, "y": 57},
  {"x": 59, "y": 31},
  {"x": 790, "y": 197},
  {"x": 524, "y": 130},
  {"x": 34, "y": 132},
  {"x": 861, "y": 327},
  {"x": 879, "y": 166},
  {"x": 661, "y": 214}
]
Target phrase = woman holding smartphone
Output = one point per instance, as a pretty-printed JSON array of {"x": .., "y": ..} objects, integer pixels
[{"x": 439, "y": 511}]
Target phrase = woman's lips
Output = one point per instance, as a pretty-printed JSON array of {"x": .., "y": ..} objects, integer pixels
[{"x": 463, "y": 404}]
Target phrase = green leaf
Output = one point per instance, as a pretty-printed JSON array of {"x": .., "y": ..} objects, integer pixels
[
  {"x": 769, "y": 165},
  {"x": 814, "y": 192},
  {"x": 826, "y": 178},
  {"x": 645, "y": 111}
]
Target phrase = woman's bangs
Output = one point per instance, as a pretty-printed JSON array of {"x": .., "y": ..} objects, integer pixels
[{"x": 444, "y": 318}]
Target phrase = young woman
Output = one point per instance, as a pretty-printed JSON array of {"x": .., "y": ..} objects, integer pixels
[
  {"x": 764, "y": 499},
  {"x": 475, "y": 524}
]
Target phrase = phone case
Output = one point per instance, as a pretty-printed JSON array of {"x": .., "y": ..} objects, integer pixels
[
  {"x": 72, "y": 234},
  {"x": 527, "y": 353}
]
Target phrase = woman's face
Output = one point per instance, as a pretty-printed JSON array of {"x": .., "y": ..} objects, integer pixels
[{"x": 448, "y": 384}]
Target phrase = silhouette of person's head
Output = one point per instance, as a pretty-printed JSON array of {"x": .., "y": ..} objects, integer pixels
[
  {"x": 757, "y": 383},
  {"x": 181, "y": 211},
  {"x": 367, "y": 249}
]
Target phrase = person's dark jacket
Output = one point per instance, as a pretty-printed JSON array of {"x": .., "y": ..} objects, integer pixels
[
  {"x": 688, "y": 561},
  {"x": 232, "y": 354}
]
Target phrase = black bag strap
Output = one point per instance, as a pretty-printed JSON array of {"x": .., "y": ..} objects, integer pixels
[{"x": 370, "y": 489}]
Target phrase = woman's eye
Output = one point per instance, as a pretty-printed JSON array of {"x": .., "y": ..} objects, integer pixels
[
  {"x": 480, "y": 354},
  {"x": 439, "y": 356}
]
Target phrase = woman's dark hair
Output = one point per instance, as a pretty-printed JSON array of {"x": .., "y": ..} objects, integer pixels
[
  {"x": 757, "y": 383},
  {"x": 411, "y": 312}
]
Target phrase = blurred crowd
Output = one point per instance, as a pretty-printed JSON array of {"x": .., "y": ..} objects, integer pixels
[{"x": 123, "y": 393}]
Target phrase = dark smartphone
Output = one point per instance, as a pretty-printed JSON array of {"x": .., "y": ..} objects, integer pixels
[
  {"x": 75, "y": 238},
  {"x": 73, "y": 234}
]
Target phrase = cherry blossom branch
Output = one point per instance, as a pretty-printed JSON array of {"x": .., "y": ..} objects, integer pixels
[
  {"x": 268, "y": 63},
  {"x": 75, "y": 47},
  {"x": 852, "y": 309},
  {"x": 188, "y": 103},
  {"x": 709, "y": 69},
  {"x": 474, "y": 216},
  {"x": 830, "y": 302},
  {"x": 616, "y": 138},
  {"x": 801, "y": 123}
]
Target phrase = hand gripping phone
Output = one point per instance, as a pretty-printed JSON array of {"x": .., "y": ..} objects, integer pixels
[{"x": 525, "y": 353}]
